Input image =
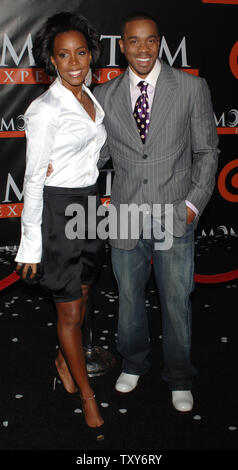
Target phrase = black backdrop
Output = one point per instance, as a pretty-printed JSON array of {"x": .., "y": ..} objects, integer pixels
[{"x": 197, "y": 36}]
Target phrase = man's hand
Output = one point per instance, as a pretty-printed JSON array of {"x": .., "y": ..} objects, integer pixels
[
  {"x": 190, "y": 215},
  {"x": 33, "y": 267},
  {"x": 50, "y": 169}
]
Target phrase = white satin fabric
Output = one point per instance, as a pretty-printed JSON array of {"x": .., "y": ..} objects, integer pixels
[{"x": 60, "y": 131}]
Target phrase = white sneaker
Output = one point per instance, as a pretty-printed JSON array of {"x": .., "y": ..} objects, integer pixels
[
  {"x": 182, "y": 400},
  {"x": 126, "y": 382}
]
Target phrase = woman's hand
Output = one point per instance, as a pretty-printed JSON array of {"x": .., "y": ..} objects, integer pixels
[
  {"x": 50, "y": 169},
  {"x": 32, "y": 267}
]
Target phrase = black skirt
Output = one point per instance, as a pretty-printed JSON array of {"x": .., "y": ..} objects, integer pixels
[{"x": 72, "y": 253}]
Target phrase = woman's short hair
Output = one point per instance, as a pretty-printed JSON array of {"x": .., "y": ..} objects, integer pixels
[{"x": 60, "y": 23}]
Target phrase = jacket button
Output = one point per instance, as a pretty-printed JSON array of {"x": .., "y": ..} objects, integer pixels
[
  {"x": 145, "y": 181},
  {"x": 145, "y": 156}
]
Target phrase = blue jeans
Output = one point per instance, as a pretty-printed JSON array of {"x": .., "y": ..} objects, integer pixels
[{"x": 174, "y": 276}]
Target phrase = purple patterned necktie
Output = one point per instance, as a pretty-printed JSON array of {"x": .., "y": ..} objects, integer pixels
[{"x": 141, "y": 111}]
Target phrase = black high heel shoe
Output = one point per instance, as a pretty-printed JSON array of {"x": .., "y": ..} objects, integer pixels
[
  {"x": 57, "y": 383},
  {"x": 80, "y": 400}
]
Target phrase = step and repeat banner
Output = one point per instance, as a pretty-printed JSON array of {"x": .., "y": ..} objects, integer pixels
[{"x": 197, "y": 36}]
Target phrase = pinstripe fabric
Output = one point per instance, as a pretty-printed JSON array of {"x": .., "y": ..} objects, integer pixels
[{"x": 181, "y": 146}]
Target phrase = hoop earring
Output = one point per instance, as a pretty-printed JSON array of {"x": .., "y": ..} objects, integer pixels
[
  {"x": 88, "y": 78},
  {"x": 58, "y": 75}
]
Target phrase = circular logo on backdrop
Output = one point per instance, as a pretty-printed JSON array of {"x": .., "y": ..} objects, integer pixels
[
  {"x": 20, "y": 122},
  {"x": 228, "y": 181},
  {"x": 233, "y": 59},
  {"x": 232, "y": 120}
]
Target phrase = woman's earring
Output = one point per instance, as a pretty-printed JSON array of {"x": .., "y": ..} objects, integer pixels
[
  {"x": 88, "y": 78},
  {"x": 58, "y": 75}
]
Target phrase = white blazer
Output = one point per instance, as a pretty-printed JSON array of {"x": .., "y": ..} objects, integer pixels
[{"x": 60, "y": 131}]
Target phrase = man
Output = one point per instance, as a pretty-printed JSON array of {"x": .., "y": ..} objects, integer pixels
[{"x": 170, "y": 158}]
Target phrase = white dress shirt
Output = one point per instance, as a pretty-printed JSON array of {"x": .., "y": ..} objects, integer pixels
[
  {"x": 151, "y": 79},
  {"x": 60, "y": 131}
]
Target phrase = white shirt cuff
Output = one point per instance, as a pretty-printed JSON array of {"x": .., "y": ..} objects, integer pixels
[{"x": 194, "y": 209}]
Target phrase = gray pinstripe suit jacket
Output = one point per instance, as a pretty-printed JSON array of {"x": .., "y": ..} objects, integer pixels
[{"x": 178, "y": 160}]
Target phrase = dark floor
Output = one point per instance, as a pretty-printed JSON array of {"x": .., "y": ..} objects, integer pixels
[{"x": 34, "y": 417}]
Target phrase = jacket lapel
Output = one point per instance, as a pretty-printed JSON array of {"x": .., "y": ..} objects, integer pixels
[
  {"x": 122, "y": 109},
  {"x": 165, "y": 93}
]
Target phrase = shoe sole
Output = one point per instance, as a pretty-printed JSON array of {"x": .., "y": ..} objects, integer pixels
[{"x": 125, "y": 393}]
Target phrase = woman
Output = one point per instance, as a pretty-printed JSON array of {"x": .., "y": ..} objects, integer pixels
[{"x": 64, "y": 126}]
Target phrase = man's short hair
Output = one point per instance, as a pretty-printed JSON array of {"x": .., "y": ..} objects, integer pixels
[{"x": 136, "y": 16}]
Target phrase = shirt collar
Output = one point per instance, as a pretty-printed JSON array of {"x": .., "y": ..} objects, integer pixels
[
  {"x": 60, "y": 90},
  {"x": 151, "y": 78}
]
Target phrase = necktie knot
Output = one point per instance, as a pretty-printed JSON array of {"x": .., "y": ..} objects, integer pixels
[{"x": 143, "y": 86}]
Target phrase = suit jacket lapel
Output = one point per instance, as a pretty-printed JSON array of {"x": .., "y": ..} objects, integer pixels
[
  {"x": 122, "y": 109},
  {"x": 165, "y": 93}
]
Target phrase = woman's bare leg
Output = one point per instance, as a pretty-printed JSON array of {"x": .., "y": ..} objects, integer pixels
[
  {"x": 60, "y": 363},
  {"x": 64, "y": 373},
  {"x": 70, "y": 320}
]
